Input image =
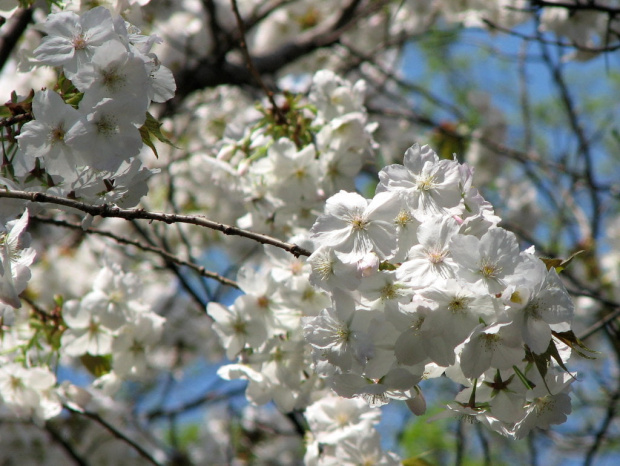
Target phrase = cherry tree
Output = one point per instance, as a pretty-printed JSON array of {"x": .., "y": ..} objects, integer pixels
[{"x": 258, "y": 232}]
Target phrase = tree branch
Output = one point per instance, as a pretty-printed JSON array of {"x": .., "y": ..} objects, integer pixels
[
  {"x": 20, "y": 22},
  {"x": 210, "y": 72},
  {"x": 116, "y": 433},
  {"x": 577, "y": 6},
  {"x": 107, "y": 210},
  {"x": 67, "y": 447}
]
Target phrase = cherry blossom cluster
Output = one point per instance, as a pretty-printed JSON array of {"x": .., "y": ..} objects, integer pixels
[
  {"x": 113, "y": 320},
  {"x": 27, "y": 390},
  {"x": 416, "y": 283},
  {"x": 342, "y": 432},
  {"x": 111, "y": 325},
  {"x": 86, "y": 133},
  {"x": 424, "y": 283},
  {"x": 263, "y": 330},
  {"x": 285, "y": 171},
  {"x": 15, "y": 259}
]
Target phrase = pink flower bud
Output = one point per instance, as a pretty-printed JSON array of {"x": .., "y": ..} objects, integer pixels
[{"x": 368, "y": 265}]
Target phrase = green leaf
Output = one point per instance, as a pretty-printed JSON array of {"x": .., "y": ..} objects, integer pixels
[
  {"x": 541, "y": 361},
  {"x": 152, "y": 127},
  {"x": 4, "y": 111},
  {"x": 146, "y": 139},
  {"x": 97, "y": 365},
  {"x": 559, "y": 264},
  {"x": 571, "y": 340},
  {"x": 524, "y": 380},
  {"x": 415, "y": 461},
  {"x": 385, "y": 265}
]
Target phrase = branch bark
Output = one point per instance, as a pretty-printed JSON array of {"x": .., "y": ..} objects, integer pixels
[{"x": 107, "y": 210}]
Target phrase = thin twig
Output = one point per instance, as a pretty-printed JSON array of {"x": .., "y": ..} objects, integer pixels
[
  {"x": 524, "y": 98},
  {"x": 459, "y": 445},
  {"x": 584, "y": 145},
  {"x": 484, "y": 443},
  {"x": 67, "y": 447},
  {"x": 145, "y": 247},
  {"x": 280, "y": 117},
  {"x": 202, "y": 304},
  {"x": 116, "y": 433},
  {"x": 600, "y": 324},
  {"x": 543, "y": 40},
  {"x": 610, "y": 415},
  {"x": 409, "y": 86},
  {"x": 107, "y": 210},
  {"x": 188, "y": 247},
  {"x": 207, "y": 398}
]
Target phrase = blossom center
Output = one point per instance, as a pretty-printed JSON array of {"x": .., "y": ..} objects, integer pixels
[
  {"x": 16, "y": 383},
  {"x": 359, "y": 223},
  {"x": 403, "y": 218},
  {"x": 79, "y": 42},
  {"x": 308, "y": 294},
  {"x": 544, "y": 403},
  {"x": 106, "y": 126},
  {"x": 112, "y": 80},
  {"x": 436, "y": 256},
  {"x": 297, "y": 268},
  {"x": 458, "y": 305},
  {"x": 343, "y": 334},
  {"x": 137, "y": 348},
  {"x": 324, "y": 267},
  {"x": 239, "y": 327},
  {"x": 426, "y": 183},
  {"x": 490, "y": 340},
  {"x": 57, "y": 134},
  {"x": 389, "y": 291},
  {"x": 262, "y": 301},
  {"x": 93, "y": 328},
  {"x": 532, "y": 310},
  {"x": 489, "y": 269}
]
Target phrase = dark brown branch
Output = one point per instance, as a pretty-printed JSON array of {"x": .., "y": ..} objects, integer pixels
[
  {"x": 219, "y": 36},
  {"x": 107, "y": 210},
  {"x": 19, "y": 22},
  {"x": 577, "y": 6},
  {"x": 210, "y": 72},
  {"x": 15, "y": 119}
]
